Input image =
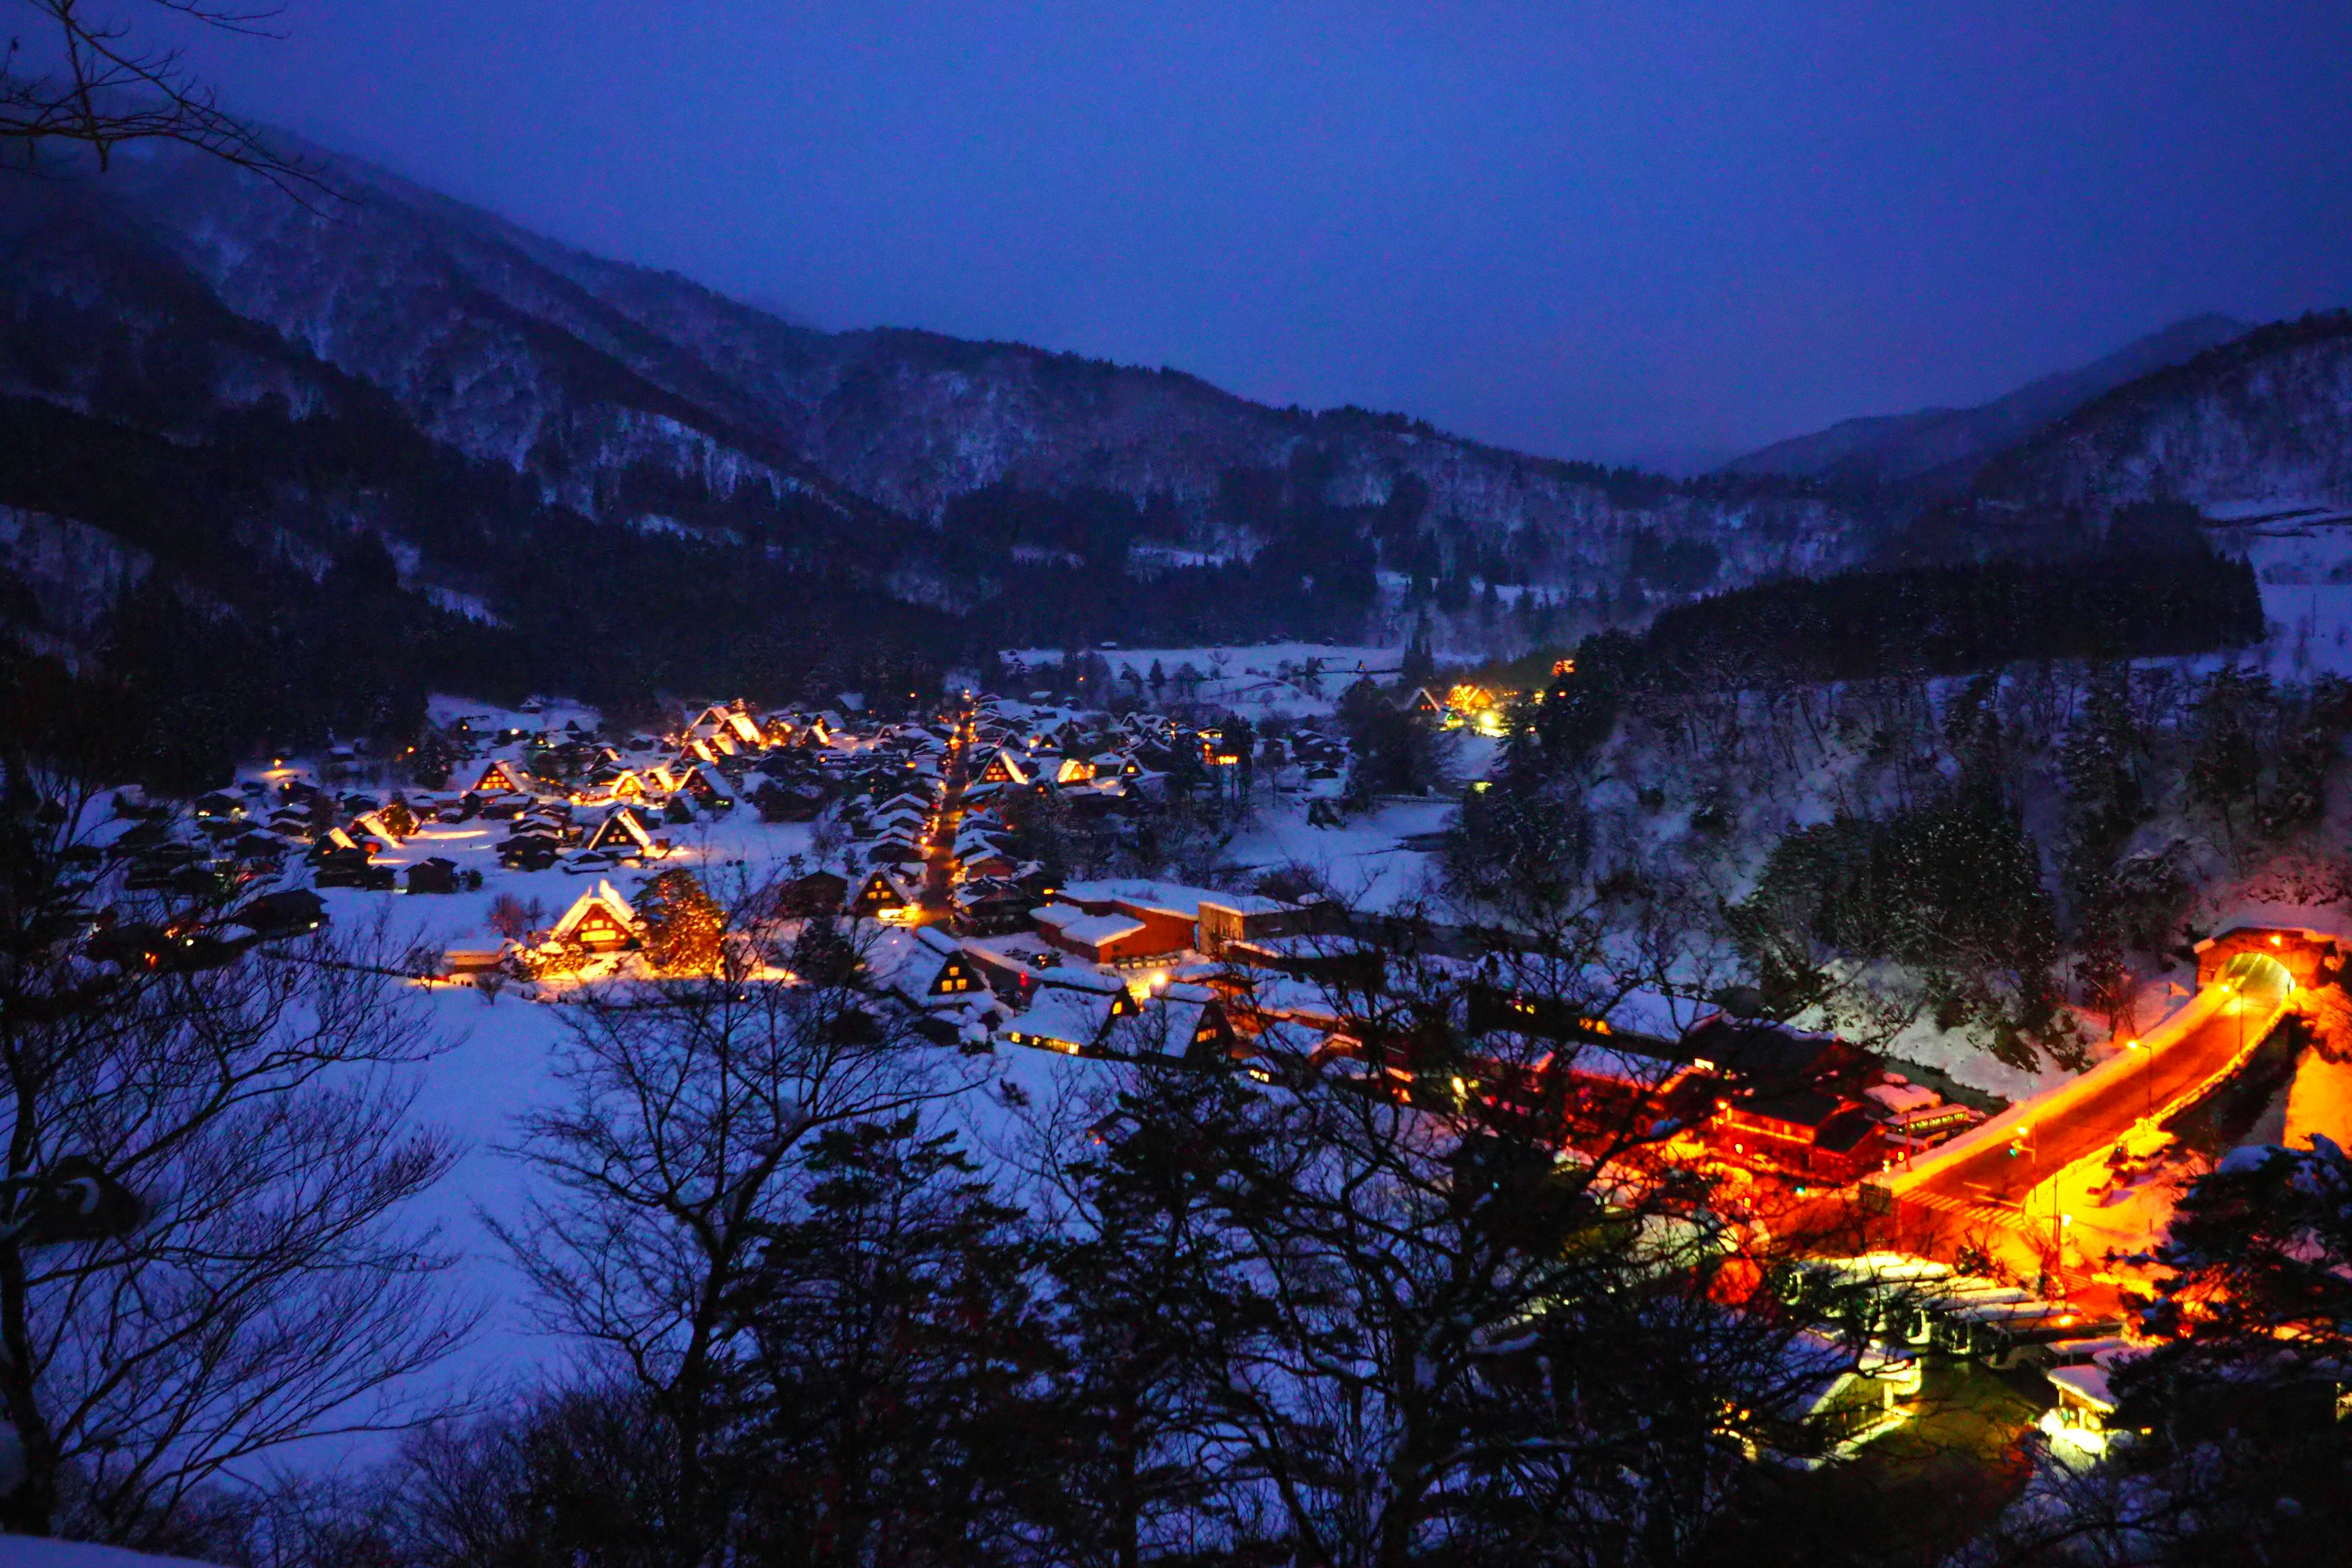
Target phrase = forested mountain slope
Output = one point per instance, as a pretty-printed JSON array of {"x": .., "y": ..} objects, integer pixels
[
  {"x": 2266, "y": 418},
  {"x": 631, "y": 395}
]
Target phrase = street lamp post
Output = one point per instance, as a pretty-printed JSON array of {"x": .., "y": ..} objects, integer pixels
[{"x": 2149, "y": 1076}]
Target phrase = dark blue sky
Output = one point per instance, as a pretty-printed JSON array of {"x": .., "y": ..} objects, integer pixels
[{"x": 1637, "y": 230}]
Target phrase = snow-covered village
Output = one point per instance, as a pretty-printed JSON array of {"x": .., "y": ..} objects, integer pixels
[{"x": 649, "y": 922}]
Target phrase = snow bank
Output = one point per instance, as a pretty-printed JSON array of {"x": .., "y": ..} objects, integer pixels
[{"x": 26, "y": 1551}]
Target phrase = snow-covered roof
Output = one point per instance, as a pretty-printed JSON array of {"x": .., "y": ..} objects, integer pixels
[
  {"x": 1063, "y": 1016},
  {"x": 604, "y": 893},
  {"x": 1075, "y": 925},
  {"x": 1169, "y": 898}
]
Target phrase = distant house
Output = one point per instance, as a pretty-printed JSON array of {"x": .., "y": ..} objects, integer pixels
[
  {"x": 435, "y": 875},
  {"x": 1073, "y": 1016},
  {"x": 699, "y": 786},
  {"x": 1006, "y": 768},
  {"x": 1166, "y": 918},
  {"x": 621, "y": 832},
  {"x": 928, "y": 969},
  {"x": 892, "y": 850},
  {"x": 297, "y": 911},
  {"x": 984, "y": 861},
  {"x": 498, "y": 778},
  {"x": 746, "y": 730},
  {"x": 882, "y": 896},
  {"x": 818, "y": 892},
  {"x": 600, "y": 919}
]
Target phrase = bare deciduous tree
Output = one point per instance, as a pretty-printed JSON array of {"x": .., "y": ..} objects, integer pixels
[
  {"x": 88, "y": 77},
  {"x": 259, "y": 1106},
  {"x": 689, "y": 1102}
]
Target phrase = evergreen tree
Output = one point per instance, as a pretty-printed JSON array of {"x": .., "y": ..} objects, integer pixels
[{"x": 1145, "y": 1321}]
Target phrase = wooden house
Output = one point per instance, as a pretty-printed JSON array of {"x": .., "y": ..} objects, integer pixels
[
  {"x": 704, "y": 791},
  {"x": 1004, "y": 767},
  {"x": 621, "y": 832},
  {"x": 1073, "y": 1013},
  {"x": 928, "y": 969},
  {"x": 882, "y": 896},
  {"x": 818, "y": 892},
  {"x": 746, "y": 731},
  {"x": 370, "y": 827},
  {"x": 600, "y": 919},
  {"x": 498, "y": 778}
]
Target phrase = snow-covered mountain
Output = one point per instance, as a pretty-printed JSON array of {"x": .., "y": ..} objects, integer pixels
[
  {"x": 2265, "y": 418},
  {"x": 629, "y": 394},
  {"x": 602, "y": 457},
  {"x": 1942, "y": 448}
]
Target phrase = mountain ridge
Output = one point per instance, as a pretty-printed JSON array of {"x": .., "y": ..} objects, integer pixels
[{"x": 1940, "y": 449}]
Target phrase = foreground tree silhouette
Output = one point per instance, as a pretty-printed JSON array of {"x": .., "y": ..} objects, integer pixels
[
  {"x": 259, "y": 1105},
  {"x": 86, "y": 76},
  {"x": 669, "y": 1169}
]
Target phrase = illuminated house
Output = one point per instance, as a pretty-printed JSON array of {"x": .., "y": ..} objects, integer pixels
[
  {"x": 498, "y": 778},
  {"x": 600, "y": 921},
  {"x": 928, "y": 968},
  {"x": 723, "y": 729},
  {"x": 699, "y": 787},
  {"x": 1004, "y": 768},
  {"x": 882, "y": 896},
  {"x": 622, "y": 831},
  {"x": 1074, "y": 1014}
]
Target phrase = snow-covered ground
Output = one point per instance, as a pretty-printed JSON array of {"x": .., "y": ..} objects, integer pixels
[
  {"x": 2302, "y": 555},
  {"x": 1382, "y": 860},
  {"x": 1250, "y": 680},
  {"x": 25, "y": 1551}
]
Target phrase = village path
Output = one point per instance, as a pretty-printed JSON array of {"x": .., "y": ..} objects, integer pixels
[{"x": 939, "y": 866}]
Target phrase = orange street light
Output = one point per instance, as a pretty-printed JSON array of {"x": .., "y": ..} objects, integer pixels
[{"x": 2149, "y": 1077}]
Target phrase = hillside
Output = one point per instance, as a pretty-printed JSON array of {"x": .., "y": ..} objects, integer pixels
[
  {"x": 270, "y": 470},
  {"x": 1939, "y": 449},
  {"x": 635, "y": 397},
  {"x": 2263, "y": 419}
]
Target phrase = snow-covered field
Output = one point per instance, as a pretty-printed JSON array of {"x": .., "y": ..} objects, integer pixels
[
  {"x": 2301, "y": 552},
  {"x": 1251, "y": 679}
]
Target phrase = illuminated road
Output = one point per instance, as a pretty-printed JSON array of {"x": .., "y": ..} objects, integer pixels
[{"x": 2089, "y": 1114}]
